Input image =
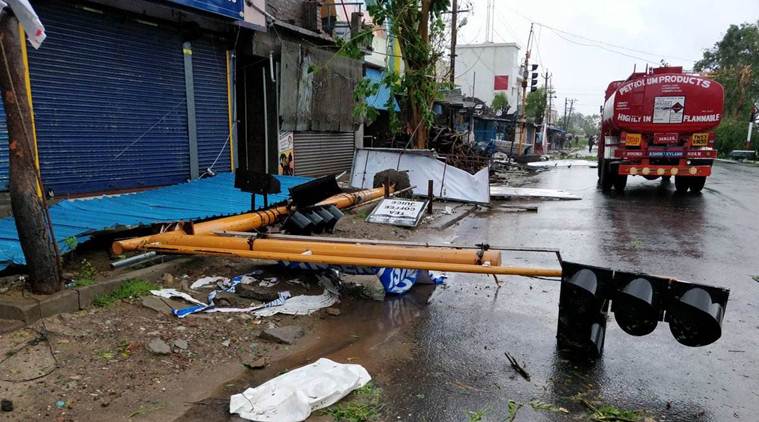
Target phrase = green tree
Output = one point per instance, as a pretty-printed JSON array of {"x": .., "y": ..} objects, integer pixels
[
  {"x": 734, "y": 63},
  {"x": 500, "y": 102},
  {"x": 535, "y": 105},
  {"x": 416, "y": 24}
]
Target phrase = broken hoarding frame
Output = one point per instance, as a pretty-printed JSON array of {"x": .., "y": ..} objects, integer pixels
[{"x": 422, "y": 165}]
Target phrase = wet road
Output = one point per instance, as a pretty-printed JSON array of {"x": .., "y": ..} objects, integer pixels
[{"x": 458, "y": 365}]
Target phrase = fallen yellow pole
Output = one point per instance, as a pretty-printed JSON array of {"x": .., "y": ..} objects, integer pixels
[
  {"x": 246, "y": 222},
  {"x": 361, "y": 262},
  {"x": 357, "y": 250}
]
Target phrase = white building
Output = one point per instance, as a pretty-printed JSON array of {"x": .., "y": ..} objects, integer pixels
[{"x": 482, "y": 70}]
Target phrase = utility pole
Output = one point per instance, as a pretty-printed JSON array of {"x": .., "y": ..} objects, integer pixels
[
  {"x": 569, "y": 116},
  {"x": 525, "y": 72},
  {"x": 29, "y": 210},
  {"x": 454, "y": 33},
  {"x": 564, "y": 122},
  {"x": 546, "y": 111}
]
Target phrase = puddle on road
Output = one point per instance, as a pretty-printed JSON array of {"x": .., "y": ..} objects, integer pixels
[{"x": 373, "y": 334}]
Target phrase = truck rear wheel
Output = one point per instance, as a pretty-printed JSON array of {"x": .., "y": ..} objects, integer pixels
[
  {"x": 620, "y": 181},
  {"x": 606, "y": 177},
  {"x": 697, "y": 183},
  {"x": 682, "y": 183}
]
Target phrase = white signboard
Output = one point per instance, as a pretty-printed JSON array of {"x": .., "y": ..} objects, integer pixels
[
  {"x": 398, "y": 212},
  {"x": 668, "y": 109}
]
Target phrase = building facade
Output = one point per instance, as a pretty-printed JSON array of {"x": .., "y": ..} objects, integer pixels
[
  {"x": 132, "y": 94},
  {"x": 483, "y": 70}
]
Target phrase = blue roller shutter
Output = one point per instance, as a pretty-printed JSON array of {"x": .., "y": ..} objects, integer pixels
[
  {"x": 209, "y": 70},
  {"x": 109, "y": 101},
  {"x": 3, "y": 150}
]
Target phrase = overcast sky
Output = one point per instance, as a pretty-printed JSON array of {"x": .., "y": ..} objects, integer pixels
[{"x": 676, "y": 31}]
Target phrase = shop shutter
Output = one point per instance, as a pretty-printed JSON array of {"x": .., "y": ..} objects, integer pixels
[
  {"x": 4, "y": 165},
  {"x": 109, "y": 101},
  {"x": 209, "y": 69},
  {"x": 322, "y": 153}
]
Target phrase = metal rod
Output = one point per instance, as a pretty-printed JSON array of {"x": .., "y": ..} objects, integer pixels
[
  {"x": 363, "y": 262},
  {"x": 430, "y": 195},
  {"x": 134, "y": 260},
  {"x": 382, "y": 242},
  {"x": 266, "y": 124}
]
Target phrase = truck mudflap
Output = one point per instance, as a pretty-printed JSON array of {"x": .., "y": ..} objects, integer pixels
[{"x": 655, "y": 170}]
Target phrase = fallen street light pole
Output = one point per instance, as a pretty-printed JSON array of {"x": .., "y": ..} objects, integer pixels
[
  {"x": 358, "y": 261},
  {"x": 247, "y": 222}
]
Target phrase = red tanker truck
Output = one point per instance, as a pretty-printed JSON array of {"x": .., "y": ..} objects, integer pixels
[{"x": 659, "y": 124}]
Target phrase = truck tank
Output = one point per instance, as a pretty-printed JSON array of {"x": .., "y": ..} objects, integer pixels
[{"x": 665, "y": 100}]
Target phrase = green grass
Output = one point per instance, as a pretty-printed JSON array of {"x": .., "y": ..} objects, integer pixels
[
  {"x": 607, "y": 412},
  {"x": 86, "y": 274},
  {"x": 476, "y": 415},
  {"x": 365, "y": 404},
  {"x": 130, "y": 289},
  {"x": 513, "y": 409}
]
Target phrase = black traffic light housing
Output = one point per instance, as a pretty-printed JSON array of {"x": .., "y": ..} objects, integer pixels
[
  {"x": 639, "y": 301},
  {"x": 534, "y": 78}
]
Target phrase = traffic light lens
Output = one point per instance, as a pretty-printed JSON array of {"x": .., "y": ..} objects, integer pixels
[
  {"x": 634, "y": 308},
  {"x": 695, "y": 320}
]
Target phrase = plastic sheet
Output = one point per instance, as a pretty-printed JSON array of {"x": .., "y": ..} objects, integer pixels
[{"x": 292, "y": 396}]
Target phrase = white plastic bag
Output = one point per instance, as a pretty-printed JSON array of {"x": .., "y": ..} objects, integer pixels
[{"x": 291, "y": 397}]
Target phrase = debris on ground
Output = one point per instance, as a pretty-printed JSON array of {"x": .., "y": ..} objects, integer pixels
[
  {"x": 517, "y": 367},
  {"x": 301, "y": 305},
  {"x": 548, "y": 407},
  {"x": 181, "y": 344},
  {"x": 259, "y": 363},
  {"x": 563, "y": 163},
  {"x": 293, "y": 396},
  {"x": 285, "y": 335},
  {"x": 507, "y": 192},
  {"x": 6, "y": 406},
  {"x": 158, "y": 347},
  {"x": 513, "y": 409},
  {"x": 333, "y": 311}
]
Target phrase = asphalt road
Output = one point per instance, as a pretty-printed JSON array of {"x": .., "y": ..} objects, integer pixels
[{"x": 458, "y": 363}]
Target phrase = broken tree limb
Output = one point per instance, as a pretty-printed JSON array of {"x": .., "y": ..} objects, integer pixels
[
  {"x": 29, "y": 211},
  {"x": 517, "y": 367}
]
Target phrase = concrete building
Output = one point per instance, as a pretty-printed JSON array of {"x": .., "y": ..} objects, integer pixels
[{"x": 489, "y": 68}]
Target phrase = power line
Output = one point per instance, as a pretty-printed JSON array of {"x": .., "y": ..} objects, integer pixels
[{"x": 598, "y": 43}]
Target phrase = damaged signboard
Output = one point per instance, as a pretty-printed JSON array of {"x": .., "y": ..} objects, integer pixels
[
  {"x": 398, "y": 212},
  {"x": 449, "y": 182}
]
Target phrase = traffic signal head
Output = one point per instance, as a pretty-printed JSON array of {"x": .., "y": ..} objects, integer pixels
[
  {"x": 695, "y": 314},
  {"x": 636, "y": 306},
  {"x": 639, "y": 301},
  {"x": 582, "y": 309}
]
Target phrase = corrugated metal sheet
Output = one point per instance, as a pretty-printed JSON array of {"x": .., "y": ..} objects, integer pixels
[
  {"x": 209, "y": 70},
  {"x": 109, "y": 101},
  {"x": 200, "y": 199},
  {"x": 317, "y": 89},
  {"x": 322, "y": 153},
  {"x": 3, "y": 150}
]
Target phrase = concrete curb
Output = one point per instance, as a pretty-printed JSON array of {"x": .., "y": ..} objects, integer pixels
[
  {"x": 448, "y": 220},
  {"x": 33, "y": 307}
]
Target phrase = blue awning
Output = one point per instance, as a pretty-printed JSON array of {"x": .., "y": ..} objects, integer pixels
[
  {"x": 75, "y": 220},
  {"x": 379, "y": 100}
]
